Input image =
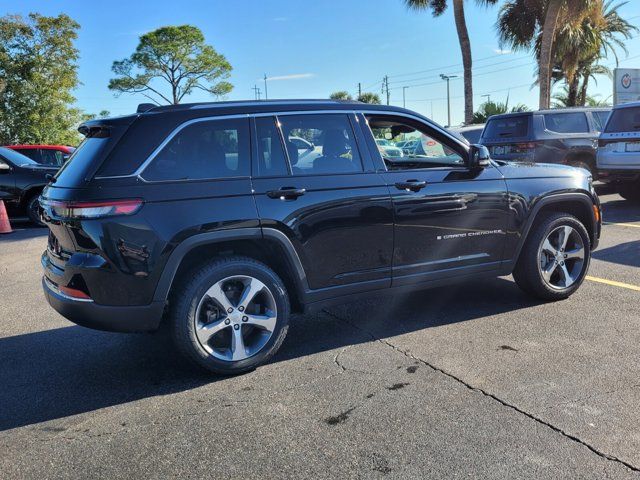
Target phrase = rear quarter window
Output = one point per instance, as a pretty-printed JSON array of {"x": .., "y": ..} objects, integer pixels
[
  {"x": 507, "y": 127},
  {"x": 624, "y": 120},
  {"x": 566, "y": 122},
  {"x": 211, "y": 149}
]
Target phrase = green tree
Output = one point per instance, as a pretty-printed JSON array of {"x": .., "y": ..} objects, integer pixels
[
  {"x": 340, "y": 95},
  {"x": 533, "y": 24},
  {"x": 579, "y": 47},
  {"x": 563, "y": 99},
  {"x": 490, "y": 108},
  {"x": 38, "y": 72},
  {"x": 438, "y": 7},
  {"x": 368, "y": 97},
  {"x": 177, "y": 56}
]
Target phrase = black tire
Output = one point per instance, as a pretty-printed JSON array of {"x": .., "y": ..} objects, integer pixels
[
  {"x": 190, "y": 289},
  {"x": 630, "y": 191},
  {"x": 527, "y": 273},
  {"x": 31, "y": 207}
]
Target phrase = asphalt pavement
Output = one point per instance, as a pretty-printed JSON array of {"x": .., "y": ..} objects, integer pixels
[{"x": 473, "y": 381}]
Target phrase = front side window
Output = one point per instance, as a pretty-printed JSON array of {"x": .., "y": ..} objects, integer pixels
[
  {"x": 32, "y": 153},
  {"x": 320, "y": 144},
  {"x": 52, "y": 157},
  {"x": 211, "y": 149},
  {"x": 566, "y": 122},
  {"x": 419, "y": 149}
]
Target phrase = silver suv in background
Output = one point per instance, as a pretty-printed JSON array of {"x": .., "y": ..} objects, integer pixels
[{"x": 619, "y": 151}]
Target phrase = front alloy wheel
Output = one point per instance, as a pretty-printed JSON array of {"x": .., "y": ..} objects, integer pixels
[{"x": 562, "y": 257}]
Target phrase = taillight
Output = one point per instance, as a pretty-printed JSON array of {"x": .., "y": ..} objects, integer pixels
[{"x": 88, "y": 210}]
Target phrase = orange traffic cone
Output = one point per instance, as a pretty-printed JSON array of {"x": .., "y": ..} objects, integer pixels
[{"x": 5, "y": 226}]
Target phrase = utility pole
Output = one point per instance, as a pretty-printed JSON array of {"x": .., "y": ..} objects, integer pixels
[
  {"x": 359, "y": 89},
  {"x": 385, "y": 87},
  {"x": 488, "y": 95},
  {"x": 404, "y": 100},
  {"x": 266, "y": 95},
  {"x": 256, "y": 91},
  {"x": 447, "y": 78}
]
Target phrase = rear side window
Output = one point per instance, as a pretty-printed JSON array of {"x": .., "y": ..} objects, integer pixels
[
  {"x": 507, "y": 127},
  {"x": 624, "y": 120},
  {"x": 566, "y": 122},
  {"x": 320, "y": 144},
  {"x": 270, "y": 153},
  {"x": 210, "y": 149}
]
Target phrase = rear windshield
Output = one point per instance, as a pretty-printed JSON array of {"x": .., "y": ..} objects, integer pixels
[
  {"x": 575, "y": 122},
  {"x": 16, "y": 158},
  {"x": 76, "y": 168},
  {"x": 624, "y": 120},
  {"x": 507, "y": 127}
]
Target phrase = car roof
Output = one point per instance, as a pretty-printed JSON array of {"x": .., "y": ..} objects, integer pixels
[
  {"x": 627, "y": 105},
  {"x": 468, "y": 128},
  {"x": 553, "y": 110}
]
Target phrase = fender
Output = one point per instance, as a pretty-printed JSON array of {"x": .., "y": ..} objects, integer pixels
[
  {"x": 171, "y": 267},
  {"x": 535, "y": 210}
]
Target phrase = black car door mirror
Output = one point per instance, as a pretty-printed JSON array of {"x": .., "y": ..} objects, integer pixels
[
  {"x": 479, "y": 156},
  {"x": 4, "y": 167}
]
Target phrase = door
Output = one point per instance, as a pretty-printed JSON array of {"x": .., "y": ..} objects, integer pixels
[
  {"x": 449, "y": 219},
  {"x": 312, "y": 183}
]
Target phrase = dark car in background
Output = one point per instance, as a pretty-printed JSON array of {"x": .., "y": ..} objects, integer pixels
[
  {"x": 471, "y": 133},
  {"x": 206, "y": 217},
  {"x": 619, "y": 151},
  {"x": 51, "y": 155},
  {"x": 21, "y": 182},
  {"x": 562, "y": 136}
]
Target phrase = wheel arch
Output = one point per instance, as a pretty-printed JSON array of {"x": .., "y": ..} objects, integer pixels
[
  {"x": 268, "y": 246},
  {"x": 579, "y": 205}
]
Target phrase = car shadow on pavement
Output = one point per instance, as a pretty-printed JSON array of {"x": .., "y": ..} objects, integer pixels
[
  {"x": 621, "y": 211},
  {"x": 66, "y": 371},
  {"x": 20, "y": 234},
  {"x": 623, "y": 254}
]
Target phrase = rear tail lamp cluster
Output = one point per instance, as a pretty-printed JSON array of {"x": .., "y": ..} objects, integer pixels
[
  {"x": 88, "y": 210},
  {"x": 523, "y": 147}
]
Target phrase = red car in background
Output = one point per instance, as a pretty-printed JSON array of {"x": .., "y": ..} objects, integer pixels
[{"x": 52, "y": 155}]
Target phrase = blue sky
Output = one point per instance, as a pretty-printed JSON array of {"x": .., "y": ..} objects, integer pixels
[{"x": 311, "y": 49}]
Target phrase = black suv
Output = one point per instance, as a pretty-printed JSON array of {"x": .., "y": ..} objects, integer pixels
[
  {"x": 21, "y": 182},
  {"x": 211, "y": 217},
  {"x": 566, "y": 136}
]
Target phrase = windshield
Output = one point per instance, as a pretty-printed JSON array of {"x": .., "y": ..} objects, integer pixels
[{"x": 16, "y": 158}]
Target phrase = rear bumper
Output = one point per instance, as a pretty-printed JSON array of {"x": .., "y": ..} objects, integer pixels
[
  {"x": 141, "y": 318},
  {"x": 618, "y": 176}
]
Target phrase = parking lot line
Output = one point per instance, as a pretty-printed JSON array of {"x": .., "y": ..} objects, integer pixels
[
  {"x": 635, "y": 225},
  {"x": 613, "y": 283}
]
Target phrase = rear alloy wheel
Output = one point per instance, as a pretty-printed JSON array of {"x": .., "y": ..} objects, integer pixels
[
  {"x": 231, "y": 315},
  {"x": 555, "y": 258}
]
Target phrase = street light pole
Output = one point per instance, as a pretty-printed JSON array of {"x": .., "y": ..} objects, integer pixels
[
  {"x": 447, "y": 78},
  {"x": 404, "y": 101},
  {"x": 266, "y": 96}
]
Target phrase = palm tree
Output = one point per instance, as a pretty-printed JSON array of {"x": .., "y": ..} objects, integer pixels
[
  {"x": 368, "y": 97},
  {"x": 489, "y": 108},
  {"x": 438, "y": 7},
  {"x": 580, "y": 46},
  {"x": 562, "y": 99},
  {"x": 340, "y": 95},
  {"x": 523, "y": 24}
]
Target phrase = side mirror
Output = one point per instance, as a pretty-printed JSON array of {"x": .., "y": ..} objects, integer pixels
[
  {"x": 4, "y": 167},
  {"x": 479, "y": 156}
]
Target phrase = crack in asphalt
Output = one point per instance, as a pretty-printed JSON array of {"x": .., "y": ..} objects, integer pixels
[{"x": 531, "y": 416}]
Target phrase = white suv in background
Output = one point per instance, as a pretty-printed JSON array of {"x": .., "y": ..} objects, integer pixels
[{"x": 619, "y": 151}]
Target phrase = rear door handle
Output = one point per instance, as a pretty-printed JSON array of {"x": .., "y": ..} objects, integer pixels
[
  {"x": 412, "y": 185},
  {"x": 286, "y": 193}
]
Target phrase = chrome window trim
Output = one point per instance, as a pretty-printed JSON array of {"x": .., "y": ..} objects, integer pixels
[{"x": 275, "y": 113}]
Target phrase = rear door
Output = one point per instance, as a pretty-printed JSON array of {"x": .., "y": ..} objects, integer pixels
[
  {"x": 449, "y": 219},
  {"x": 324, "y": 195}
]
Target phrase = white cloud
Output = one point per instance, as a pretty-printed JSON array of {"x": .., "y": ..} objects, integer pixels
[
  {"x": 294, "y": 76},
  {"x": 500, "y": 51}
]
